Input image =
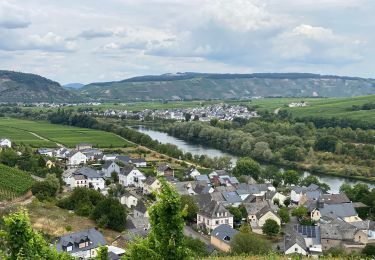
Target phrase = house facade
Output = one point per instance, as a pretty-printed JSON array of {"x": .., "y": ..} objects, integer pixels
[
  {"x": 76, "y": 158},
  {"x": 131, "y": 176},
  {"x": 110, "y": 166},
  {"x": 214, "y": 215}
]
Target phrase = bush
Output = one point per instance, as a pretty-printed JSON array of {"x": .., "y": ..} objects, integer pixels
[{"x": 271, "y": 228}]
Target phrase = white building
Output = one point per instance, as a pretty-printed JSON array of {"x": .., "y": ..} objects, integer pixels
[
  {"x": 84, "y": 177},
  {"x": 214, "y": 215},
  {"x": 5, "y": 143},
  {"x": 76, "y": 158},
  {"x": 131, "y": 176},
  {"x": 108, "y": 167}
]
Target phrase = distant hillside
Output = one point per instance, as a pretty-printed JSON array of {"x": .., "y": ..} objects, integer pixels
[
  {"x": 73, "y": 85},
  {"x": 228, "y": 86},
  {"x": 24, "y": 87}
]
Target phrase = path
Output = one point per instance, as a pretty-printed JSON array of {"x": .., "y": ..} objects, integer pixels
[
  {"x": 188, "y": 231},
  {"x": 45, "y": 139},
  {"x": 276, "y": 111}
]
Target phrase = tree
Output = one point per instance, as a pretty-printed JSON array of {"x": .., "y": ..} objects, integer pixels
[
  {"x": 299, "y": 212},
  {"x": 187, "y": 117},
  {"x": 293, "y": 153},
  {"x": 110, "y": 213},
  {"x": 166, "y": 238},
  {"x": 21, "y": 242},
  {"x": 284, "y": 215},
  {"x": 189, "y": 204},
  {"x": 47, "y": 189},
  {"x": 196, "y": 246},
  {"x": 246, "y": 243},
  {"x": 287, "y": 201},
  {"x": 291, "y": 177},
  {"x": 271, "y": 228},
  {"x": 114, "y": 176},
  {"x": 326, "y": 143},
  {"x": 369, "y": 250},
  {"x": 102, "y": 253},
  {"x": 237, "y": 215},
  {"x": 311, "y": 179},
  {"x": 247, "y": 166},
  {"x": 262, "y": 151}
]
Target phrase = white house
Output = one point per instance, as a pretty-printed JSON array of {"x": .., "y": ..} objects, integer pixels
[
  {"x": 192, "y": 172},
  {"x": 110, "y": 166},
  {"x": 131, "y": 176},
  {"x": 5, "y": 143},
  {"x": 295, "y": 244},
  {"x": 84, "y": 177},
  {"x": 214, "y": 215},
  {"x": 45, "y": 151},
  {"x": 151, "y": 185},
  {"x": 128, "y": 199},
  {"x": 76, "y": 158}
]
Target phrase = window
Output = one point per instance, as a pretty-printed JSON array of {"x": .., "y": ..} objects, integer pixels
[
  {"x": 69, "y": 248},
  {"x": 226, "y": 221},
  {"x": 296, "y": 249},
  {"x": 217, "y": 222}
]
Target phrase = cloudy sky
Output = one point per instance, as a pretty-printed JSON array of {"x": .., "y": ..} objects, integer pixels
[{"x": 105, "y": 40}]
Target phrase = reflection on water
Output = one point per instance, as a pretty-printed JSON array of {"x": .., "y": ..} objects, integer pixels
[{"x": 198, "y": 149}]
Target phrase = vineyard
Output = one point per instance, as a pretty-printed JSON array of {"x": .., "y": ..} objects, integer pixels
[{"x": 13, "y": 183}]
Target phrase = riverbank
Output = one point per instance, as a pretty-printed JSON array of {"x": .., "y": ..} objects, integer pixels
[{"x": 333, "y": 180}]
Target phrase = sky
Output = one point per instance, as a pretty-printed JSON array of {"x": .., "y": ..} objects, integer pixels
[{"x": 107, "y": 40}]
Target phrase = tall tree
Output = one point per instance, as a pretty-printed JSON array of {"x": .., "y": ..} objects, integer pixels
[
  {"x": 166, "y": 238},
  {"x": 247, "y": 166}
]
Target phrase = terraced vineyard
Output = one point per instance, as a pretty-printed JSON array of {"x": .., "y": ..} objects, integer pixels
[{"x": 13, "y": 182}]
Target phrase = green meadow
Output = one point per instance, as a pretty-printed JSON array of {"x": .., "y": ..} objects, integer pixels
[
  {"x": 322, "y": 107},
  {"x": 21, "y": 131}
]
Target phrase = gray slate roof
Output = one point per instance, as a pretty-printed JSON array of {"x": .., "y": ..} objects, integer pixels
[
  {"x": 292, "y": 239},
  {"x": 340, "y": 210},
  {"x": 94, "y": 236},
  {"x": 88, "y": 172},
  {"x": 225, "y": 233},
  {"x": 212, "y": 209},
  {"x": 334, "y": 198},
  {"x": 337, "y": 229}
]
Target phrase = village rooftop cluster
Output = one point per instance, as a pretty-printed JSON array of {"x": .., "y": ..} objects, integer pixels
[
  {"x": 223, "y": 112},
  {"x": 337, "y": 223}
]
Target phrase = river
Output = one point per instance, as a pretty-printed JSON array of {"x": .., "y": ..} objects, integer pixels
[{"x": 198, "y": 149}]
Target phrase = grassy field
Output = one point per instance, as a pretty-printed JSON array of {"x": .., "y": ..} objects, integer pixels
[
  {"x": 66, "y": 135},
  {"x": 22, "y": 136},
  {"x": 325, "y": 107},
  {"x": 13, "y": 183}
]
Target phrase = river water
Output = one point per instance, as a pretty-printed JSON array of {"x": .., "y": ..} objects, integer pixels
[{"x": 198, "y": 149}]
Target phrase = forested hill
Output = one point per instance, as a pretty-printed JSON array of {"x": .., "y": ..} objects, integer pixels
[
  {"x": 228, "y": 86},
  {"x": 24, "y": 87}
]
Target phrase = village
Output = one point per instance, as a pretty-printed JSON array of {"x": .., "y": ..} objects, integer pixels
[
  {"x": 320, "y": 221},
  {"x": 222, "y": 112}
]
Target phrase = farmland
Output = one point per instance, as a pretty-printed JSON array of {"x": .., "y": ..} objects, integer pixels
[
  {"x": 13, "y": 182},
  {"x": 322, "y": 107},
  {"x": 23, "y": 136},
  {"x": 21, "y": 131}
]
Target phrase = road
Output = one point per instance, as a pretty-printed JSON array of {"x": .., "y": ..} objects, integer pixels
[
  {"x": 188, "y": 231},
  {"x": 45, "y": 139}
]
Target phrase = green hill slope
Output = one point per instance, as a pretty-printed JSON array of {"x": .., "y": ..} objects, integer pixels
[
  {"x": 24, "y": 87},
  {"x": 228, "y": 86}
]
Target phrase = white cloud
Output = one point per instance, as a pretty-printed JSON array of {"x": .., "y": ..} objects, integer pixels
[
  {"x": 126, "y": 38},
  {"x": 12, "y": 17}
]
